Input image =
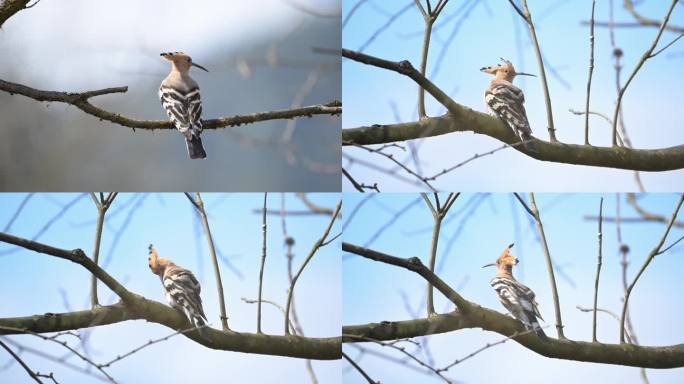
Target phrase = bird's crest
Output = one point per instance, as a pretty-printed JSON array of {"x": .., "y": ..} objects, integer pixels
[
  {"x": 506, "y": 259},
  {"x": 505, "y": 70},
  {"x": 157, "y": 264},
  {"x": 182, "y": 61}
]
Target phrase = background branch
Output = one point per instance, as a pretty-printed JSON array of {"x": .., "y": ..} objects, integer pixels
[
  {"x": 82, "y": 102},
  {"x": 136, "y": 307}
]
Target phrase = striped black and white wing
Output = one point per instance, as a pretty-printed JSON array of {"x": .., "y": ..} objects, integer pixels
[
  {"x": 507, "y": 102},
  {"x": 182, "y": 291},
  {"x": 517, "y": 298},
  {"x": 183, "y": 108}
]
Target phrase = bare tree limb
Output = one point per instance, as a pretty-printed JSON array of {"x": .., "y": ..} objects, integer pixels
[
  {"x": 82, "y": 101},
  {"x": 479, "y": 317},
  {"x": 598, "y": 266},
  {"x": 263, "y": 262},
  {"x": 10, "y": 7},
  {"x": 318, "y": 244},
  {"x": 359, "y": 369},
  {"x": 463, "y": 119},
  {"x": 102, "y": 206},
  {"x": 21, "y": 362},
  {"x": 591, "y": 72},
  {"x": 199, "y": 205},
  {"x": 654, "y": 252},
  {"x": 136, "y": 307},
  {"x": 542, "y": 73},
  {"x": 646, "y": 55}
]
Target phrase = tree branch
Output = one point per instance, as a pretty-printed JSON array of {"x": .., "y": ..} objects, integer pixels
[
  {"x": 9, "y": 7},
  {"x": 650, "y": 160},
  {"x": 654, "y": 252},
  {"x": 542, "y": 73},
  {"x": 319, "y": 243},
  {"x": 644, "y": 57},
  {"x": 549, "y": 265},
  {"x": 599, "y": 261},
  {"x": 263, "y": 262},
  {"x": 136, "y": 307},
  {"x": 489, "y": 320},
  {"x": 82, "y": 102},
  {"x": 463, "y": 119},
  {"x": 479, "y": 317},
  {"x": 199, "y": 205},
  {"x": 413, "y": 264}
]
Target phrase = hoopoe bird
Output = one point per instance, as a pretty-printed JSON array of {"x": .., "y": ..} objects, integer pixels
[
  {"x": 515, "y": 296},
  {"x": 506, "y": 101},
  {"x": 180, "y": 97},
  {"x": 181, "y": 288}
]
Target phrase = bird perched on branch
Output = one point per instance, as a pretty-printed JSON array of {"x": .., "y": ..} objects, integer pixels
[
  {"x": 506, "y": 101},
  {"x": 181, "y": 288},
  {"x": 180, "y": 98},
  {"x": 515, "y": 296}
]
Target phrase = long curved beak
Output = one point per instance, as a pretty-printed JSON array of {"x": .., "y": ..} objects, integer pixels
[
  {"x": 524, "y": 74},
  {"x": 489, "y": 265},
  {"x": 200, "y": 67}
]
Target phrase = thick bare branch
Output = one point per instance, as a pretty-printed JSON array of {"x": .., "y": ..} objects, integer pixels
[
  {"x": 82, "y": 102},
  {"x": 136, "y": 307},
  {"x": 461, "y": 119},
  {"x": 479, "y": 317}
]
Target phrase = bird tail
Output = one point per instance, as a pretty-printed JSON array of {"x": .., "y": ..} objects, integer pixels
[
  {"x": 539, "y": 331},
  {"x": 201, "y": 326},
  {"x": 527, "y": 141},
  {"x": 195, "y": 148}
]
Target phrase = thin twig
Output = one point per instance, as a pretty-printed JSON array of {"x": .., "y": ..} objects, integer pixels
[
  {"x": 21, "y": 362},
  {"x": 487, "y": 346},
  {"x": 598, "y": 265},
  {"x": 438, "y": 215},
  {"x": 147, "y": 344},
  {"x": 534, "y": 212},
  {"x": 542, "y": 73},
  {"x": 654, "y": 252},
  {"x": 102, "y": 205},
  {"x": 646, "y": 55},
  {"x": 199, "y": 205},
  {"x": 359, "y": 369},
  {"x": 402, "y": 350},
  {"x": 315, "y": 248},
  {"x": 63, "y": 344},
  {"x": 591, "y": 72},
  {"x": 263, "y": 261}
]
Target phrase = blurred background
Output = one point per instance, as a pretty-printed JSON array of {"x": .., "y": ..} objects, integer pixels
[
  {"x": 35, "y": 284},
  {"x": 260, "y": 56},
  {"x": 475, "y": 231},
  {"x": 472, "y": 34}
]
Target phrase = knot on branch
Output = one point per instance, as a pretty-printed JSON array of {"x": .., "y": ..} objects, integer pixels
[
  {"x": 415, "y": 263},
  {"x": 405, "y": 67},
  {"x": 78, "y": 255}
]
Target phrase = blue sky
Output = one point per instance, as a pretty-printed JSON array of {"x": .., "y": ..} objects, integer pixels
[
  {"x": 168, "y": 221},
  {"x": 492, "y": 30},
  {"x": 474, "y": 233}
]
